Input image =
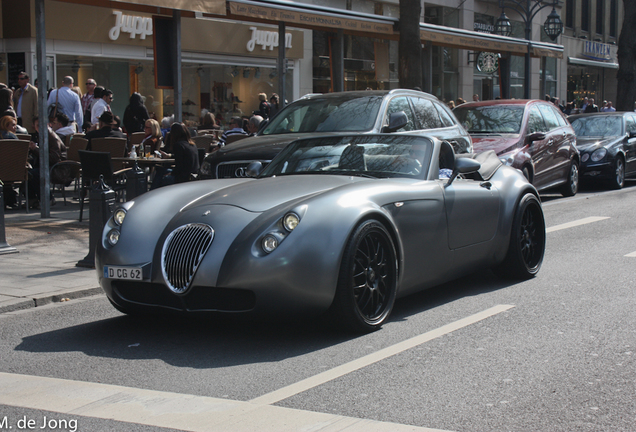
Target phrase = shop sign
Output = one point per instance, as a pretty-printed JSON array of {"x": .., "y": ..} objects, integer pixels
[
  {"x": 596, "y": 51},
  {"x": 309, "y": 19},
  {"x": 266, "y": 39},
  {"x": 488, "y": 62},
  {"x": 134, "y": 25}
]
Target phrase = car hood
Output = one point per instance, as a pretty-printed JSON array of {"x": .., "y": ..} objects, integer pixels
[
  {"x": 499, "y": 143},
  {"x": 259, "y": 195},
  {"x": 592, "y": 143}
]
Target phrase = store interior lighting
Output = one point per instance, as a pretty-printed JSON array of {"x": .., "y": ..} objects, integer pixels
[
  {"x": 75, "y": 67},
  {"x": 234, "y": 72},
  {"x": 273, "y": 74},
  {"x": 246, "y": 72},
  {"x": 200, "y": 71},
  {"x": 257, "y": 73},
  {"x": 139, "y": 69}
]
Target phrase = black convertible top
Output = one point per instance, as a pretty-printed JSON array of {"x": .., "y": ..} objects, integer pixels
[{"x": 489, "y": 161}]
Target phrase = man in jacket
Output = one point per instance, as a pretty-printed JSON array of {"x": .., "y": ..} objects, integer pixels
[
  {"x": 67, "y": 101},
  {"x": 25, "y": 101}
]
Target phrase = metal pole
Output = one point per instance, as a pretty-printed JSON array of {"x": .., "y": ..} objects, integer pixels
[
  {"x": 178, "y": 85},
  {"x": 282, "y": 65},
  {"x": 526, "y": 90},
  {"x": 45, "y": 181},
  {"x": 5, "y": 248}
]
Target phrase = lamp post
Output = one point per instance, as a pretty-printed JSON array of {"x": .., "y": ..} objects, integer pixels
[{"x": 528, "y": 9}]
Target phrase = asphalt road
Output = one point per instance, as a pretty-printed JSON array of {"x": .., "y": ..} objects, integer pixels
[{"x": 555, "y": 353}]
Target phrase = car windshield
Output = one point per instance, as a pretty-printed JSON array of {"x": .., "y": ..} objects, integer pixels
[
  {"x": 497, "y": 119},
  {"x": 359, "y": 155},
  {"x": 326, "y": 114},
  {"x": 597, "y": 126}
]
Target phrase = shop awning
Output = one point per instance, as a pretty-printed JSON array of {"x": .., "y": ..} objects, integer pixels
[
  {"x": 466, "y": 39},
  {"x": 311, "y": 16},
  {"x": 216, "y": 7},
  {"x": 591, "y": 63}
]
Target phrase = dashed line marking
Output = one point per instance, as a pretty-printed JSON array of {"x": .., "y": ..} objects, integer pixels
[{"x": 584, "y": 221}]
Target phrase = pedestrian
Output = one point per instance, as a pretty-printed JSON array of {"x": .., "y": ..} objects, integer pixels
[
  {"x": 274, "y": 105},
  {"x": 263, "y": 106},
  {"x": 25, "y": 101},
  {"x": 135, "y": 114},
  {"x": 102, "y": 105},
  {"x": 66, "y": 101},
  {"x": 87, "y": 101}
]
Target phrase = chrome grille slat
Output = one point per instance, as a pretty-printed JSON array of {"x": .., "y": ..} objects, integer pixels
[{"x": 182, "y": 253}]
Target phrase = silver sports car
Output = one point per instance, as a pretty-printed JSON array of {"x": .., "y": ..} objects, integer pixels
[{"x": 338, "y": 225}]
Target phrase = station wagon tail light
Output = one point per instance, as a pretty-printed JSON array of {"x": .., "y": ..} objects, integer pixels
[
  {"x": 599, "y": 154},
  {"x": 290, "y": 221},
  {"x": 119, "y": 216}
]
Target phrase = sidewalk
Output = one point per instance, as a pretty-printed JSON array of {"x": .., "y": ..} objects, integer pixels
[{"x": 43, "y": 270}]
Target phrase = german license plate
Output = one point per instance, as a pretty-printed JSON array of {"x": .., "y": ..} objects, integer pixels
[{"x": 128, "y": 273}]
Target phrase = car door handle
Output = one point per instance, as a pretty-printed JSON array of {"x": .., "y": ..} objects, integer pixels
[
  {"x": 565, "y": 134},
  {"x": 486, "y": 185}
]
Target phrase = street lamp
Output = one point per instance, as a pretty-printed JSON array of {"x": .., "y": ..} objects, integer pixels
[{"x": 528, "y": 9}]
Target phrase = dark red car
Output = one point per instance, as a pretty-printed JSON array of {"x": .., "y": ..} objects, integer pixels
[{"x": 530, "y": 135}]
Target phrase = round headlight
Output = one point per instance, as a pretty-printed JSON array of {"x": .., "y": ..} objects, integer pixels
[
  {"x": 119, "y": 216},
  {"x": 599, "y": 154},
  {"x": 585, "y": 157},
  {"x": 270, "y": 243},
  {"x": 290, "y": 221},
  {"x": 113, "y": 237}
]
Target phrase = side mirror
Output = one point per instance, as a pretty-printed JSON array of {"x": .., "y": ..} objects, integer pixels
[
  {"x": 254, "y": 169},
  {"x": 537, "y": 136},
  {"x": 397, "y": 120},
  {"x": 631, "y": 134},
  {"x": 463, "y": 166}
]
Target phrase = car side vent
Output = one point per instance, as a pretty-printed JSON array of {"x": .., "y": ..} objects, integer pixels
[{"x": 182, "y": 253}]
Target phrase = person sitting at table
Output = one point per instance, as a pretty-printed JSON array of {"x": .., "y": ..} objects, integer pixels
[
  {"x": 105, "y": 129},
  {"x": 8, "y": 126},
  {"x": 153, "y": 137},
  {"x": 186, "y": 158}
]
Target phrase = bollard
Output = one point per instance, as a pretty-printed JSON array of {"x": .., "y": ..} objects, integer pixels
[
  {"x": 5, "y": 248},
  {"x": 102, "y": 201},
  {"x": 136, "y": 182}
]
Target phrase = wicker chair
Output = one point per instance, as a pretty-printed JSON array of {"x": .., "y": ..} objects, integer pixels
[
  {"x": 14, "y": 165},
  {"x": 203, "y": 141}
]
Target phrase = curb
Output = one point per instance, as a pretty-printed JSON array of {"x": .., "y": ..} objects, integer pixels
[{"x": 45, "y": 299}]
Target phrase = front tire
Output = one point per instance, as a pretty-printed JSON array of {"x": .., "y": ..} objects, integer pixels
[
  {"x": 527, "y": 241},
  {"x": 367, "y": 283},
  {"x": 618, "y": 181},
  {"x": 571, "y": 187}
]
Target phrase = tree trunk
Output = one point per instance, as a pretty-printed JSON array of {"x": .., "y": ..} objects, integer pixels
[
  {"x": 626, "y": 76},
  {"x": 410, "y": 46}
]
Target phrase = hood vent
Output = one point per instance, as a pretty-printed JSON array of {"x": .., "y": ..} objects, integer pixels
[{"x": 182, "y": 253}]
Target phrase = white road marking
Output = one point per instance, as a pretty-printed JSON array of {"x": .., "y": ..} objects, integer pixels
[
  {"x": 382, "y": 354},
  {"x": 172, "y": 410},
  {"x": 576, "y": 223},
  {"x": 631, "y": 255}
]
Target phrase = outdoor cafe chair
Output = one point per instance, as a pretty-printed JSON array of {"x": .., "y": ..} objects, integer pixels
[{"x": 14, "y": 165}]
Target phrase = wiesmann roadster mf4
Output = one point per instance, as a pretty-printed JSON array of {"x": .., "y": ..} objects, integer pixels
[{"x": 339, "y": 225}]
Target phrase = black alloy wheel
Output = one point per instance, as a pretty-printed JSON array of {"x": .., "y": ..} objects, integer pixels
[
  {"x": 571, "y": 187},
  {"x": 618, "y": 181},
  {"x": 527, "y": 241},
  {"x": 367, "y": 283}
]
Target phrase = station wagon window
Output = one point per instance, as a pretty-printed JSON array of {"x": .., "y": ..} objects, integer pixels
[
  {"x": 446, "y": 117},
  {"x": 401, "y": 104},
  {"x": 549, "y": 116},
  {"x": 535, "y": 121},
  {"x": 560, "y": 118},
  {"x": 426, "y": 114},
  {"x": 630, "y": 124}
]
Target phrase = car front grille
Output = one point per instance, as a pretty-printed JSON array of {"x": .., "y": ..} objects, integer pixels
[
  {"x": 182, "y": 253},
  {"x": 235, "y": 169}
]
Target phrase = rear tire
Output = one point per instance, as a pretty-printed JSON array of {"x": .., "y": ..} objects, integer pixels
[
  {"x": 571, "y": 187},
  {"x": 367, "y": 283},
  {"x": 527, "y": 241}
]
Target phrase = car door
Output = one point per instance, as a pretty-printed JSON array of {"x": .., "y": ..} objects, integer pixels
[
  {"x": 433, "y": 120},
  {"x": 472, "y": 212},
  {"x": 398, "y": 104},
  {"x": 630, "y": 146},
  {"x": 556, "y": 166},
  {"x": 538, "y": 149}
]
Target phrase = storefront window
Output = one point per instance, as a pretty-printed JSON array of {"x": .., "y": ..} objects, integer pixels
[
  {"x": 583, "y": 82},
  {"x": 225, "y": 90},
  {"x": 369, "y": 63}
]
